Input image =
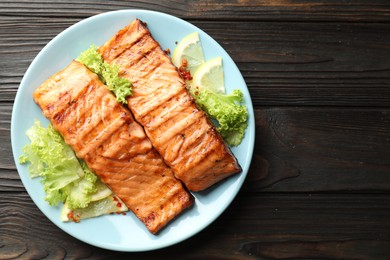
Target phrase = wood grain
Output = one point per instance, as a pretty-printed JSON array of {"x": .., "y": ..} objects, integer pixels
[
  {"x": 344, "y": 65},
  {"x": 242, "y": 10},
  {"x": 319, "y": 76},
  {"x": 265, "y": 226},
  {"x": 330, "y": 149}
]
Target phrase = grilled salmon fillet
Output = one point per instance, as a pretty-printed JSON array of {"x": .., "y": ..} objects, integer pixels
[
  {"x": 104, "y": 134},
  {"x": 177, "y": 128}
]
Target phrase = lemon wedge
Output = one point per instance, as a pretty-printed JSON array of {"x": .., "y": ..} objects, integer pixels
[
  {"x": 189, "y": 49},
  {"x": 102, "y": 191},
  {"x": 107, "y": 205},
  {"x": 103, "y": 201},
  {"x": 210, "y": 76}
]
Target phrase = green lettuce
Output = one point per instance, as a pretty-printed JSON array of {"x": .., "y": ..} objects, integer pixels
[
  {"x": 227, "y": 110},
  {"x": 80, "y": 191},
  {"x": 108, "y": 74},
  {"x": 64, "y": 177}
]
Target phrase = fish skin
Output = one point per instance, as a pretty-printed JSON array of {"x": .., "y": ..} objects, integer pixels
[
  {"x": 178, "y": 129},
  {"x": 104, "y": 134}
]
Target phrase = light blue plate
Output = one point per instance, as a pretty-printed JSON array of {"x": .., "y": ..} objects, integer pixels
[{"x": 117, "y": 232}]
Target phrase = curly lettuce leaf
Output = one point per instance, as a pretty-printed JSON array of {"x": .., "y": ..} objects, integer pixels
[
  {"x": 109, "y": 74},
  {"x": 79, "y": 193},
  {"x": 227, "y": 110},
  {"x": 63, "y": 177}
]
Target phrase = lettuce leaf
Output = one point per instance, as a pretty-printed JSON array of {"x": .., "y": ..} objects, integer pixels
[
  {"x": 108, "y": 74},
  {"x": 79, "y": 193},
  {"x": 227, "y": 110},
  {"x": 62, "y": 175}
]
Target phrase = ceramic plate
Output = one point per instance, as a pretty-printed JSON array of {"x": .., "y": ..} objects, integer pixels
[{"x": 117, "y": 232}]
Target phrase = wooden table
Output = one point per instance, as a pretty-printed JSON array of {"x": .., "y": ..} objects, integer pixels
[{"x": 319, "y": 76}]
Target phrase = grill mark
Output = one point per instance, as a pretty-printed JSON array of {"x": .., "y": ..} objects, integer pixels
[
  {"x": 202, "y": 152},
  {"x": 122, "y": 47},
  {"x": 60, "y": 114},
  {"x": 95, "y": 141},
  {"x": 153, "y": 62},
  {"x": 154, "y": 102},
  {"x": 89, "y": 117},
  {"x": 132, "y": 165},
  {"x": 198, "y": 144},
  {"x": 197, "y": 137},
  {"x": 169, "y": 109},
  {"x": 126, "y": 148},
  {"x": 134, "y": 54},
  {"x": 74, "y": 95},
  {"x": 74, "y": 115},
  {"x": 91, "y": 114},
  {"x": 174, "y": 148},
  {"x": 179, "y": 127},
  {"x": 111, "y": 149},
  {"x": 134, "y": 140},
  {"x": 140, "y": 183},
  {"x": 167, "y": 124}
]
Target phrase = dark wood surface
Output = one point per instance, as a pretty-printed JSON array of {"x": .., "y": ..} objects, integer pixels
[{"x": 319, "y": 76}]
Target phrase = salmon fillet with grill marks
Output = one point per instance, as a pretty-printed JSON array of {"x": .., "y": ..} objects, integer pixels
[
  {"x": 104, "y": 133},
  {"x": 177, "y": 128}
]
